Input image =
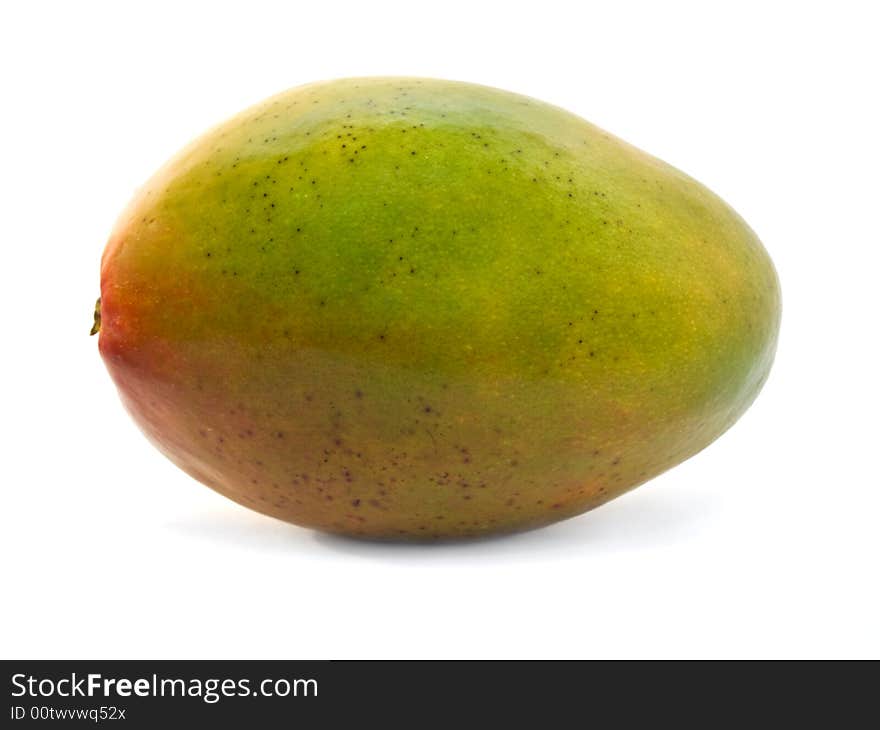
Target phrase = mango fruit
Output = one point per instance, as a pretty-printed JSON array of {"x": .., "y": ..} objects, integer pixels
[{"x": 417, "y": 309}]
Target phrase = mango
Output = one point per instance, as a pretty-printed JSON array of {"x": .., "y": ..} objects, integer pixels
[{"x": 418, "y": 309}]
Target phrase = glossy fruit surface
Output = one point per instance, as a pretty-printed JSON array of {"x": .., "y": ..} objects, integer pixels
[{"x": 411, "y": 308}]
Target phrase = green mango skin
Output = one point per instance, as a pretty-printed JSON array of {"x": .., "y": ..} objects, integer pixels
[{"x": 413, "y": 309}]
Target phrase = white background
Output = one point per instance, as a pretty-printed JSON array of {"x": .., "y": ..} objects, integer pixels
[{"x": 764, "y": 545}]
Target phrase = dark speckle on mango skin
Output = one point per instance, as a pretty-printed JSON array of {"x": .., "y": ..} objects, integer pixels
[{"x": 417, "y": 309}]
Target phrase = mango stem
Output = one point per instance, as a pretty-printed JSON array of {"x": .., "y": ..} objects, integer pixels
[{"x": 96, "y": 327}]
